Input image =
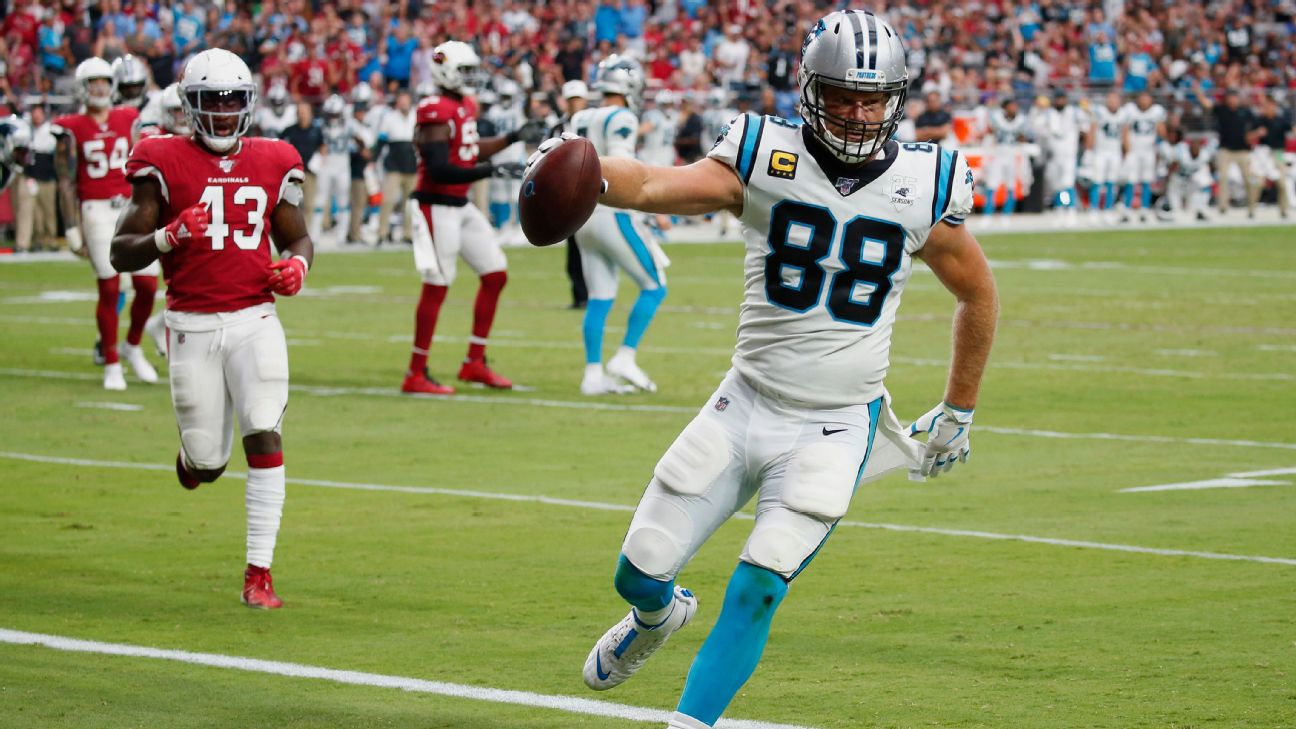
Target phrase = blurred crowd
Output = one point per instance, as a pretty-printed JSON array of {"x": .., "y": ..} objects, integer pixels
[{"x": 704, "y": 60}]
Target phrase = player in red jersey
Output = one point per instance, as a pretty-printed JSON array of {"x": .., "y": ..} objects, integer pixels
[
  {"x": 210, "y": 206},
  {"x": 444, "y": 224},
  {"x": 91, "y": 161}
]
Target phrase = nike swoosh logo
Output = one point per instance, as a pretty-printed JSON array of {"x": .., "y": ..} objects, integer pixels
[
  {"x": 830, "y": 432},
  {"x": 598, "y": 668}
]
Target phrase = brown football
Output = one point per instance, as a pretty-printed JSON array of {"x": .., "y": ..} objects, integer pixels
[{"x": 559, "y": 194}]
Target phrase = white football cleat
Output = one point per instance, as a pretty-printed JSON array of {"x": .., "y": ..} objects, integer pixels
[
  {"x": 623, "y": 365},
  {"x": 156, "y": 328},
  {"x": 597, "y": 383},
  {"x": 134, "y": 356},
  {"x": 113, "y": 377},
  {"x": 624, "y": 648}
]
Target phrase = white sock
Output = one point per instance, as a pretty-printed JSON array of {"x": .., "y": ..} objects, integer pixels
[
  {"x": 594, "y": 369},
  {"x": 684, "y": 721},
  {"x": 653, "y": 618},
  {"x": 624, "y": 352},
  {"x": 265, "y": 499}
]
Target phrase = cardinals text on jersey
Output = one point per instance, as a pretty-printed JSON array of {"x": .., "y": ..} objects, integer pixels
[
  {"x": 229, "y": 269},
  {"x": 829, "y": 250}
]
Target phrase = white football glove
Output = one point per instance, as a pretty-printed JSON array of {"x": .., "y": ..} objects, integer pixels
[
  {"x": 544, "y": 149},
  {"x": 947, "y": 429}
]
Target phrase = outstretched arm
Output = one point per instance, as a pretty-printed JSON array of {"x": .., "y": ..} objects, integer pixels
[
  {"x": 705, "y": 186},
  {"x": 956, "y": 258}
]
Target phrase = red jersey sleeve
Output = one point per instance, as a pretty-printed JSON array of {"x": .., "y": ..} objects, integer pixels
[{"x": 146, "y": 161}]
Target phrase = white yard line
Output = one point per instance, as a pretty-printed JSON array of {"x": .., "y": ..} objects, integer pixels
[
  {"x": 602, "y": 506},
  {"x": 1243, "y": 480},
  {"x": 124, "y": 407},
  {"x": 568, "y": 704},
  {"x": 502, "y": 398}
]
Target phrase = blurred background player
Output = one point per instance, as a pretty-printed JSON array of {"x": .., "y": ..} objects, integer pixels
[
  {"x": 715, "y": 119},
  {"x": 1189, "y": 182},
  {"x": 1008, "y": 129},
  {"x": 332, "y": 167},
  {"x": 1107, "y": 147},
  {"x": 657, "y": 129},
  {"x": 361, "y": 181},
  {"x": 614, "y": 240},
  {"x": 91, "y": 161},
  {"x": 506, "y": 116},
  {"x": 444, "y": 225},
  {"x": 15, "y": 149},
  {"x": 210, "y": 207},
  {"x": 1269, "y": 156},
  {"x": 277, "y": 114},
  {"x": 130, "y": 82},
  {"x": 1145, "y": 122},
  {"x": 1060, "y": 129}
]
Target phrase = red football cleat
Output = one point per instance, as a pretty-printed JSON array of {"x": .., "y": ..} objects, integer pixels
[
  {"x": 418, "y": 383},
  {"x": 258, "y": 589},
  {"x": 186, "y": 479},
  {"x": 475, "y": 370}
]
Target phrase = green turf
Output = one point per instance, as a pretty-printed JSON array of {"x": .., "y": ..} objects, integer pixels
[{"x": 1177, "y": 334}]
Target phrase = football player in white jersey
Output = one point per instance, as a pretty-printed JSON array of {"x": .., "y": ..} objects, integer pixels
[
  {"x": 1146, "y": 124},
  {"x": 1060, "y": 129},
  {"x": 506, "y": 116},
  {"x": 1008, "y": 129},
  {"x": 833, "y": 213},
  {"x": 715, "y": 118},
  {"x": 1189, "y": 183},
  {"x": 276, "y": 114},
  {"x": 1106, "y": 146},
  {"x": 657, "y": 130},
  {"x": 614, "y": 240}
]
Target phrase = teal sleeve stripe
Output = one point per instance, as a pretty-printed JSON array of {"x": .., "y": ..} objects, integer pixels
[
  {"x": 750, "y": 143},
  {"x": 608, "y": 122},
  {"x": 637, "y": 245},
  {"x": 942, "y": 184}
]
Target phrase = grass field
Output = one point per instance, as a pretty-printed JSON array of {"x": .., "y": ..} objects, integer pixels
[{"x": 1125, "y": 359}]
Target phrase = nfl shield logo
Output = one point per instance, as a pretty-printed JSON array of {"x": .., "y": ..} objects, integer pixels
[
  {"x": 226, "y": 165},
  {"x": 846, "y": 185},
  {"x": 722, "y": 402}
]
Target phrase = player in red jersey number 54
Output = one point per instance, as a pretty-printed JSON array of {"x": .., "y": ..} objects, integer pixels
[{"x": 210, "y": 205}]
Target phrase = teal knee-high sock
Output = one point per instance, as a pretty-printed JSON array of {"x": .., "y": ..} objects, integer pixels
[
  {"x": 640, "y": 590},
  {"x": 596, "y": 314},
  {"x": 734, "y": 647},
  {"x": 641, "y": 315}
]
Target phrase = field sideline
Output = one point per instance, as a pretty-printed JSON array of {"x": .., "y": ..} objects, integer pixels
[{"x": 1118, "y": 553}]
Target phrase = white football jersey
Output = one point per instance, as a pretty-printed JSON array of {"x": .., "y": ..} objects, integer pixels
[
  {"x": 508, "y": 119},
  {"x": 1143, "y": 125},
  {"x": 1108, "y": 126},
  {"x": 273, "y": 123},
  {"x": 1187, "y": 164},
  {"x": 829, "y": 249},
  {"x": 1008, "y": 131},
  {"x": 613, "y": 130},
  {"x": 659, "y": 142},
  {"x": 1061, "y": 128}
]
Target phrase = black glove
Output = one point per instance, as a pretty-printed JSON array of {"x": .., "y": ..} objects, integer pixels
[
  {"x": 509, "y": 170},
  {"x": 533, "y": 131}
]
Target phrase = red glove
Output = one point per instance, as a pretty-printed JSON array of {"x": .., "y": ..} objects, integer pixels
[
  {"x": 189, "y": 224},
  {"x": 286, "y": 276}
]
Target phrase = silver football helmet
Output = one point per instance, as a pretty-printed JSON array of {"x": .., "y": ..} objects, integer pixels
[
  {"x": 174, "y": 120},
  {"x": 621, "y": 76},
  {"x": 858, "y": 51},
  {"x": 15, "y": 144},
  {"x": 130, "y": 77}
]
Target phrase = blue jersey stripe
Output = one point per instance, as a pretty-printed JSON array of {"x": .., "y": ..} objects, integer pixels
[
  {"x": 608, "y": 121},
  {"x": 942, "y": 184},
  {"x": 750, "y": 143},
  {"x": 638, "y": 246}
]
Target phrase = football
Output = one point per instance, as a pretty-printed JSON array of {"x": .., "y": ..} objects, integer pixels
[{"x": 559, "y": 193}]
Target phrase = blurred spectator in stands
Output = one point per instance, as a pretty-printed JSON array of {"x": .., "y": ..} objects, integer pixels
[
  {"x": 108, "y": 45},
  {"x": 780, "y": 75},
  {"x": 55, "y": 56},
  {"x": 189, "y": 28},
  {"x": 633, "y": 16},
  {"x": 731, "y": 56},
  {"x": 399, "y": 49},
  {"x": 571, "y": 59},
  {"x": 692, "y": 64},
  {"x": 607, "y": 22},
  {"x": 934, "y": 123}
]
